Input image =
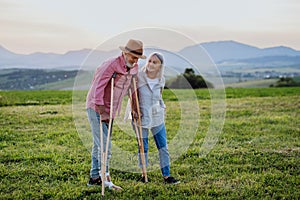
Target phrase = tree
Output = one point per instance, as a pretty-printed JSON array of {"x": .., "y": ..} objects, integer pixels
[
  {"x": 286, "y": 82},
  {"x": 188, "y": 80}
]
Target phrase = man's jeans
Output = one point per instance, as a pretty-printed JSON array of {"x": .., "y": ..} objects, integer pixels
[
  {"x": 160, "y": 138},
  {"x": 94, "y": 120}
]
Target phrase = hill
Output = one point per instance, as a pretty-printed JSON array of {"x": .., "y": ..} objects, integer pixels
[
  {"x": 33, "y": 79},
  {"x": 232, "y": 50},
  {"x": 231, "y": 60},
  {"x": 223, "y": 53}
]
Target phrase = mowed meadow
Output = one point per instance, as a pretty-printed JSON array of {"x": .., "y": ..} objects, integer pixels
[{"x": 256, "y": 156}]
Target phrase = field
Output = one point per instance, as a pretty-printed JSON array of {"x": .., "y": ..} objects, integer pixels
[
  {"x": 256, "y": 155},
  {"x": 264, "y": 83}
]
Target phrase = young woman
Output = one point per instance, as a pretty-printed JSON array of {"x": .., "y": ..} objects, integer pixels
[{"x": 150, "y": 85}]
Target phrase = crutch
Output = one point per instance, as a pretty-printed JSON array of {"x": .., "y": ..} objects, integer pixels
[
  {"x": 139, "y": 132},
  {"x": 102, "y": 157},
  {"x": 105, "y": 153},
  {"x": 134, "y": 122}
]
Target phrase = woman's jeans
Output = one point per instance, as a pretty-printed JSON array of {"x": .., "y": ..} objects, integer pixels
[
  {"x": 160, "y": 138},
  {"x": 94, "y": 120}
]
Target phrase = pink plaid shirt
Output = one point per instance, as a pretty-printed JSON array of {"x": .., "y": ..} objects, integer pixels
[{"x": 99, "y": 93}]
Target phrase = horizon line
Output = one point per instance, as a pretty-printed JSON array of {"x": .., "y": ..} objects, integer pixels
[{"x": 86, "y": 48}]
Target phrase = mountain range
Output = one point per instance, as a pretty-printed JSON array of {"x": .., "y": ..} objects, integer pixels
[
  {"x": 231, "y": 50},
  {"x": 225, "y": 54}
]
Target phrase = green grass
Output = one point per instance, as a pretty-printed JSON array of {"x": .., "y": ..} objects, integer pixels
[
  {"x": 256, "y": 157},
  {"x": 19, "y": 98},
  {"x": 58, "y": 85}
]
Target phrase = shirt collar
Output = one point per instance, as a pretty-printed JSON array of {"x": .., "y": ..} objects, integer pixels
[{"x": 122, "y": 60}]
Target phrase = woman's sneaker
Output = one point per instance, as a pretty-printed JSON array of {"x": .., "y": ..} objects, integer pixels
[
  {"x": 171, "y": 180},
  {"x": 96, "y": 181}
]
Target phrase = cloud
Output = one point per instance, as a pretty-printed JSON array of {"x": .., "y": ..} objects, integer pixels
[
  {"x": 72, "y": 23},
  {"x": 24, "y": 36},
  {"x": 4, "y": 5}
]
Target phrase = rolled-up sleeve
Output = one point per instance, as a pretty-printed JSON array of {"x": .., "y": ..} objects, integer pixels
[{"x": 102, "y": 78}]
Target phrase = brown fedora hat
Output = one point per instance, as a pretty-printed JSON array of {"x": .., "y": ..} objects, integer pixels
[{"x": 134, "y": 47}]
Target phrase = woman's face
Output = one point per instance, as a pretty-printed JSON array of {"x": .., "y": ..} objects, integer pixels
[{"x": 153, "y": 64}]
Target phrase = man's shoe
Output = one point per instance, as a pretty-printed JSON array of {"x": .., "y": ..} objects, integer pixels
[
  {"x": 171, "y": 180},
  {"x": 111, "y": 186},
  {"x": 96, "y": 181}
]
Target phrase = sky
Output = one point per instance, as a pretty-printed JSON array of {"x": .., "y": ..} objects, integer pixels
[{"x": 58, "y": 26}]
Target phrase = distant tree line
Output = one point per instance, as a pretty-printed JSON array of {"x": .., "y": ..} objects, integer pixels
[
  {"x": 31, "y": 79},
  {"x": 286, "y": 82},
  {"x": 188, "y": 80}
]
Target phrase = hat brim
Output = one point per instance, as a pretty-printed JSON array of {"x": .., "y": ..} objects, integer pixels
[{"x": 136, "y": 55}]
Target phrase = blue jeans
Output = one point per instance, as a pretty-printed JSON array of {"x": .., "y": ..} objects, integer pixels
[
  {"x": 160, "y": 138},
  {"x": 94, "y": 120}
]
